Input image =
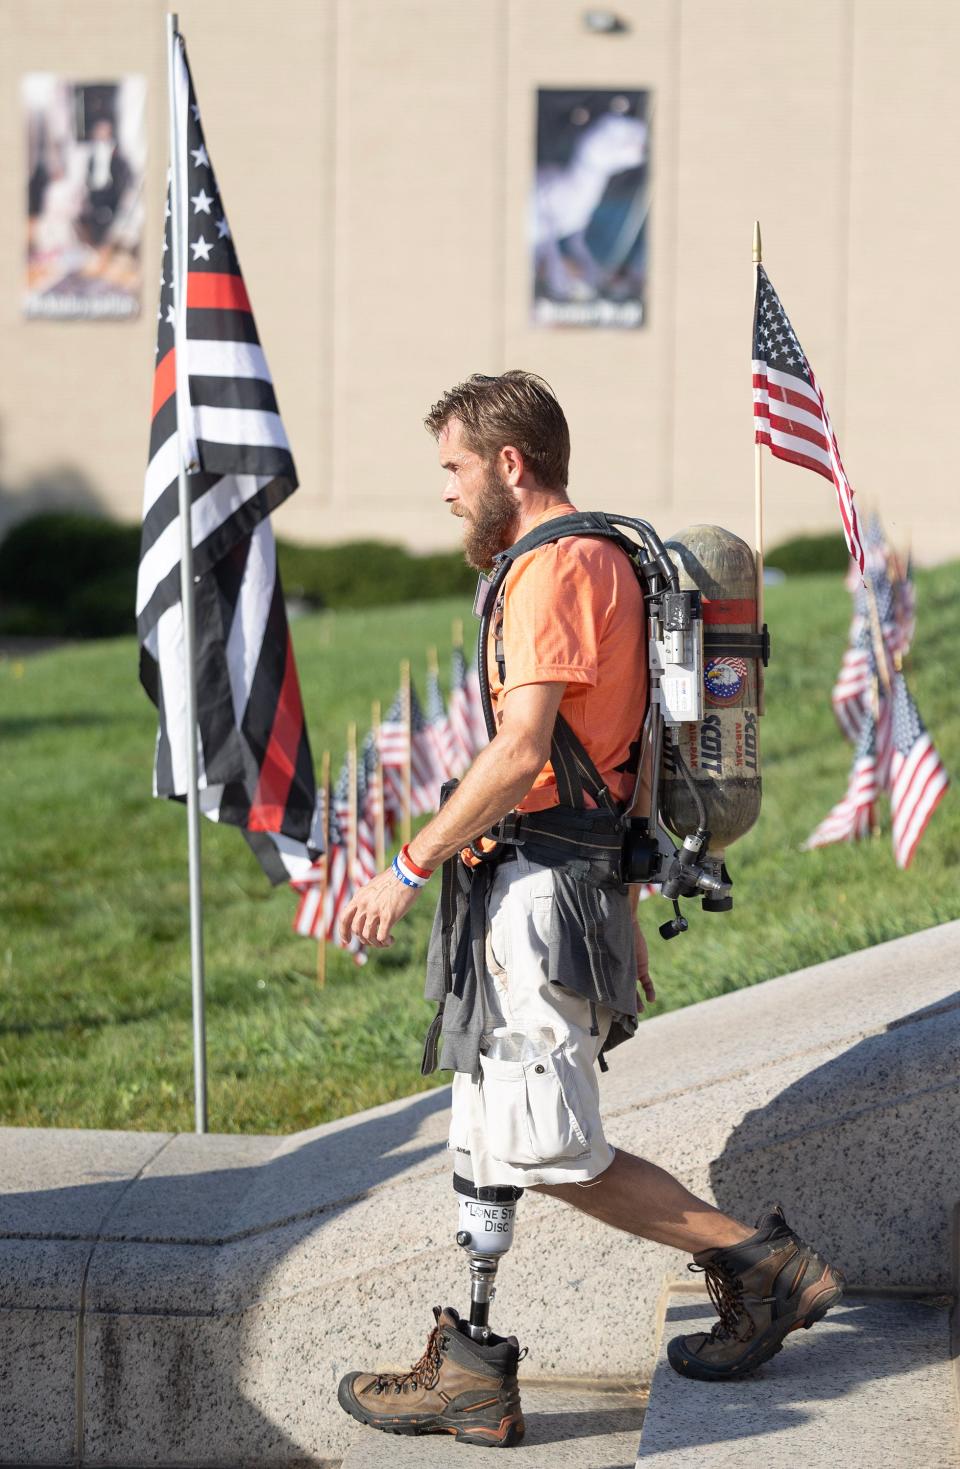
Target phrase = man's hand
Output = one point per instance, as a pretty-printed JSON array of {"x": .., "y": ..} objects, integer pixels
[
  {"x": 643, "y": 964},
  {"x": 375, "y": 908}
]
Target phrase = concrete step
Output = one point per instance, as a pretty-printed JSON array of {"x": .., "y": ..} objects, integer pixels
[
  {"x": 588, "y": 1426},
  {"x": 870, "y": 1384}
]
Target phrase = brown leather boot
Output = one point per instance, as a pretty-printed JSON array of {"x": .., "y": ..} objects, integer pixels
[
  {"x": 459, "y": 1386},
  {"x": 763, "y": 1288}
]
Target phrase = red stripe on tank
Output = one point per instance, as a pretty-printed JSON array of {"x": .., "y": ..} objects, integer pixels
[{"x": 729, "y": 610}]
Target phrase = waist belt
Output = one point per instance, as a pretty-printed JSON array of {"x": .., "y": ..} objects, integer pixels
[{"x": 570, "y": 832}]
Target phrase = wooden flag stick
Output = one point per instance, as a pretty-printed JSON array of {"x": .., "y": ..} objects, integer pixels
[
  {"x": 758, "y": 488},
  {"x": 457, "y": 632},
  {"x": 380, "y": 831},
  {"x": 324, "y": 869},
  {"x": 407, "y": 720},
  {"x": 433, "y": 662},
  {"x": 352, "y": 803}
]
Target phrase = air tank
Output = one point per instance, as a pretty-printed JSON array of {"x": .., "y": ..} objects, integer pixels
[{"x": 722, "y": 752}]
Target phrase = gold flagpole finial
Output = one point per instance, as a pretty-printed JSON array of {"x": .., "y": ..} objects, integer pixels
[{"x": 757, "y": 248}]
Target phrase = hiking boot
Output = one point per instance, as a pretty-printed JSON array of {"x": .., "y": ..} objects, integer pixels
[
  {"x": 459, "y": 1386},
  {"x": 764, "y": 1288}
]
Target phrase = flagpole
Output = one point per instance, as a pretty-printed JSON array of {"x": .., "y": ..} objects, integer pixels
[
  {"x": 380, "y": 826},
  {"x": 324, "y": 868},
  {"x": 178, "y": 251},
  {"x": 758, "y": 489},
  {"x": 456, "y": 631},
  {"x": 407, "y": 719},
  {"x": 352, "y": 804}
]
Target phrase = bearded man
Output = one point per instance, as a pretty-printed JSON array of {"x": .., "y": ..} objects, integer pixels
[{"x": 535, "y": 967}]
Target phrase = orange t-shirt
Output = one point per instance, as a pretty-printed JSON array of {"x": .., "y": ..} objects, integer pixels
[{"x": 573, "y": 613}]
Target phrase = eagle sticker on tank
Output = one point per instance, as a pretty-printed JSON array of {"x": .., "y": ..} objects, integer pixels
[{"x": 723, "y": 679}]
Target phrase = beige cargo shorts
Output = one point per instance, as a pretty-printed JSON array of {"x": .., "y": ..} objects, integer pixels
[{"x": 538, "y": 1120}]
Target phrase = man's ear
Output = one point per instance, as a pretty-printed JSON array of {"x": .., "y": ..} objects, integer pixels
[{"x": 510, "y": 464}]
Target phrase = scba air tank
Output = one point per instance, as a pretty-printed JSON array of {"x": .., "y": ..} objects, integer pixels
[{"x": 722, "y": 751}]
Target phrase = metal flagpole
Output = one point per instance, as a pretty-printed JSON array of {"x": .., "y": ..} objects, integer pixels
[
  {"x": 758, "y": 490},
  {"x": 178, "y": 263}
]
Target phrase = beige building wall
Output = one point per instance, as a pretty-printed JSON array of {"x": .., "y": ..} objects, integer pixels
[{"x": 375, "y": 158}]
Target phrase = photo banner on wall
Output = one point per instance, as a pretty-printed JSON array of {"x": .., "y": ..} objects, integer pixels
[
  {"x": 86, "y": 152},
  {"x": 590, "y": 207}
]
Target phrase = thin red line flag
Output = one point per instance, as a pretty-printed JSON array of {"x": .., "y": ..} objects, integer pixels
[{"x": 214, "y": 409}]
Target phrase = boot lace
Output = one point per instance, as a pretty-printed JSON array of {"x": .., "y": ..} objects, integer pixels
[
  {"x": 423, "y": 1373},
  {"x": 726, "y": 1293}
]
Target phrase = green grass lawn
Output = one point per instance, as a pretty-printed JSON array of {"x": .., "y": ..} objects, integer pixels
[{"x": 95, "y": 1026}]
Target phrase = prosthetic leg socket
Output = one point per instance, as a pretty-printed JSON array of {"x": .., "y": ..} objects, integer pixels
[{"x": 485, "y": 1232}]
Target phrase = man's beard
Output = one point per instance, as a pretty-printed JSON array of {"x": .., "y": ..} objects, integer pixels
[{"x": 493, "y": 525}]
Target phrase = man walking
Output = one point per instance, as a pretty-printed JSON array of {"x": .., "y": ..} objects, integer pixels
[{"x": 553, "y": 949}]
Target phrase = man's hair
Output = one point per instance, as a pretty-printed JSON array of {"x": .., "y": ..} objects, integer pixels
[{"x": 516, "y": 408}]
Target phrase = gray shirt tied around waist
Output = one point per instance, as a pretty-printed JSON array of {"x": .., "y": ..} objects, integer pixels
[{"x": 590, "y": 951}]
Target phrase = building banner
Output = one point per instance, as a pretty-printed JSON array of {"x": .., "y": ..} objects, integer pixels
[
  {"x": 86, "y": 151},
  {"x": 590, "y": 205}
]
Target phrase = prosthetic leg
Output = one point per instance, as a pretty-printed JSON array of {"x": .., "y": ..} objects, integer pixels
[{"x": 486, "y": 1232}]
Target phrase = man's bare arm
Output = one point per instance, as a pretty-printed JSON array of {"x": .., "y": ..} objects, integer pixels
[{"x": 501, "y": 775}]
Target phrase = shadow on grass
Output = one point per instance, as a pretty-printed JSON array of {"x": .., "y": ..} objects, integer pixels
[
  {"x": 24, "y": 726},
  {"x": 90, "y": 1022}
]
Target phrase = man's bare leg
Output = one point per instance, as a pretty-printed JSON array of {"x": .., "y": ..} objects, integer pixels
[{"x": 644, "y": 1199}]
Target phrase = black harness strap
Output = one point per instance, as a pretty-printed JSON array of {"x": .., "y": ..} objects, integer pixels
[{"x": 573, "y": 768}]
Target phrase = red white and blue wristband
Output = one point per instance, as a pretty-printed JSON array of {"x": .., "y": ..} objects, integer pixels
[{"x": 407, "y": 871}]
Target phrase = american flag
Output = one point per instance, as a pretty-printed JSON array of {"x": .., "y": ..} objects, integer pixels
[
  {"x": 446, "y": 753},
  {"x": 394, "y": 742},
  {"x": 790, "y": 414},
  {"x": 426, "y": 776},
  {"x": 885, "y": 602},
  {"x": 459, "y": 709},
  {"x": 918, "y": 779},
  {"x": 321, "y": 904},
  {"x": 367, "y": 804},
  {"x": 311, "y": 914},
  {"x": 855, "y": 815},
  {"x": 427, "y": 772},
  {"x": 884, "y": 738},
  {"x": 854, "y": 686},
  {"x": 214, "y": 408},
  {"x": 875, "y": 548}
]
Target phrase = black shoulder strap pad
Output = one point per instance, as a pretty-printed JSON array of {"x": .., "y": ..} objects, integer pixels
[{"x": 580, "y": 523}]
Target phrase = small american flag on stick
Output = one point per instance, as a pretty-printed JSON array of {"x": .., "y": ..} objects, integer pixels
[
  {"x": 854, "y": 684},
  {"x": 854, "y": 816},
  {"x": 918, "y": 780},
  {"x": 445, "y": 749},
  {"x": 790, "y": 416}
]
